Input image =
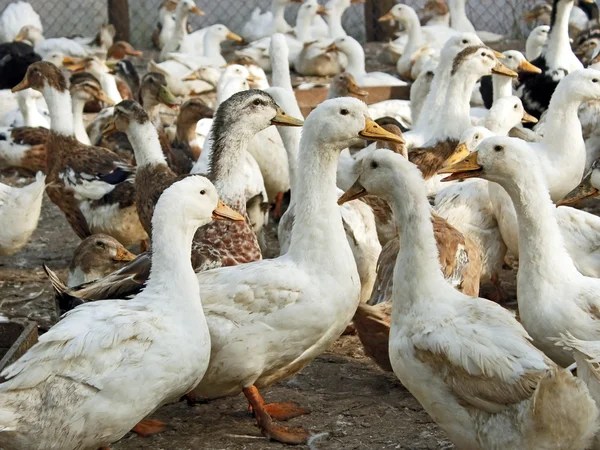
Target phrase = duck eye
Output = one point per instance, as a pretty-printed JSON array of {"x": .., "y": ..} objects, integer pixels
[
  {"x": 516, "y": 106},
  {"x": 374, "y": 165},
  {"x": 498, "y": 148},
  {"x": 595, "y": 80},
  {"x": 510, "y": 57},
  {"x": 100, "y": 244},
  {"x": 465, "y": 41},
  {"x": 202, "y": 192},
  {"x": 257, "y": 102},
  {"x": 344, "y": 112},
  {"x": 476, "y": 136}
]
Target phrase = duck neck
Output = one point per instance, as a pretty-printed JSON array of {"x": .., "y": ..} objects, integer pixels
[
  {"x": 541, "y": 248},
  {"x": 502, "y": 86},
  {"x": 279, "y": 23},
  {"x": 356, "y": 61},
  {"x": 558, "y": 47},
  {"x": 109, "y": 85},
  {"x": 421, "y": 273},
  {"x": 318, "y": 224},
  {"x": 497, "y": 125},
  {"x": 186, "y": 130},
  {"x": 414, "y": 32},
  {"x": 28, "y": 108},
  {"x": 334, "y": 20},
  {"x": 455, "y": 115},
  {"x": 78, "y": 104},
  {"x": 281, "y": 72},
  {"x": 303, "y": 27},
  {"x": 290, "y": 136},
  {"x": 229, "y": 144},
  {"x": 533, "y": 49},
  {"x": 171, "y": 268},
  {"x": 180, "y": 28},
  {"x": 212, "y": 45},
  {"x": 435, "y": 98},
  {"x": 458, "y": 17},
  {"x": 152, "y": 108},
  {"x": 145, "y": 143},
  {"x": 61, "y": 113}
]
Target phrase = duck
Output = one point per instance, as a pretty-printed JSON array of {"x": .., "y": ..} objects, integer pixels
[
  {"x": 96, "y": 67},
  {"x": 436, "y": 13},
  {"x": 166, "y": 24},
  {"x": 185, "y": 142},
  {"x": 15, "y": 57},
  {"x": 493, "y": 87},
  {"x": 297, "y": 282},
  {"x": 487, "y": 385},
  {"x": 549, "y": 276},
  {"x": 556, "y": 61},
  {"x": 460, "y": 22},
  {"x": 90, "y": 184},
  {"x": 177, "y": 41},
  {"x": 356, "y": 64},
  {"x": 335, "y": 10},
  {"x": 588, "y": 188},
  {"x": 261, "y": 25},
  {"x": 562, "y": 154},
  {"x": 66, "y": 360},
  {"x": 95, "y": 257},
  {"x": 31, "y": 110},
  {"x": 14, "y": 17},
  {"x": 535, "y": 42},
  {"x": 20, "y": 209},
  {"x": 43, "y": 46}
]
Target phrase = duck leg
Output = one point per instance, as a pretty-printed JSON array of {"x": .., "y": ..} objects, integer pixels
[
  {"x": 278, "y": 205},
  {"x": 148, "y": 427},
  {"x": 287, "y": 435},
  {"x": 498, "y": 295}
]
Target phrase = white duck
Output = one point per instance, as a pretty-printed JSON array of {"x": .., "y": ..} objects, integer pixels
[
  {"x": 467, "y": 360},
  {"x": 43, "y": 46},
  {"x": 588, "y": 188},
  {"x": 460, "y": 22},
  {"x": 279, "y": 303},
  {"x": 31, "y": 111},
  {"x": 562, "y": 155},
  {"x": 356, "y": 64},
  {"x": 101, "y": 355},
  {"x": 554, "y": 297},
  {"x": 178, "y": 39},
  {"x": 19, "y": 214},
  {"x": 14, "y": 17},
  {"x": 536, "y": 41},
  {"x": 261, "y": 25}
]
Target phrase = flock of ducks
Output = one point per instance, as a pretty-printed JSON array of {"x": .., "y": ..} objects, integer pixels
[{"x": 398, "y": 212}]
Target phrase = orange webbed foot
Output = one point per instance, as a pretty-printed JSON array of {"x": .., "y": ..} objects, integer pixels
[
  {"x": 148, "y": 427},
  {"x": 283, "y": 411}
]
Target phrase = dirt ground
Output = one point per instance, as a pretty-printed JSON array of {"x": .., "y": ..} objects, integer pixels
[{"x": 354, "y": 404}]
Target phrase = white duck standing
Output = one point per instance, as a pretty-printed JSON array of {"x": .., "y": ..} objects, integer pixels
[
  {"x": 467, "y": 360},
  {"x": 107, "y": 365},
  {"x": 19, "y": 214},
  {"x": 270, "y": 318}
]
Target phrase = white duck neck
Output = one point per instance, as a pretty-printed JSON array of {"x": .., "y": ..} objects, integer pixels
[
  {"x": 145, "y": 143},
  {"x": 414, "y": 32},
  {"x": 436, "y": 96},
  {"x": 498, "y": 124},
  {"x": 28, "y": 108},
  {"x": 60, "y": 109},
  {"x": 171, "y": 269},
  {"x": 502, "y": 86},
  {"x": 334, "y": 20},
  {"x": 212, "y": 45},
  {"x": 542, "y": 252},
  {"x": 78, "y": 104},
  {"x": 303, "y": 26},
  {"x": 279, "y": 23},
  {"x": 458, "y": 17},
  {"x": 356, "y": 60},
  {"x": 290, "y": 136},
  {"x": 281, "y": 70},
  {"x": 421, "y": 275},
  {"x": 318, "y": 228},
  {"x": 180, "y": 29},
  {"x": 558, "y": 48},
  {"x": 109, "y": 85},
  {"x": 455, "y": 116}
]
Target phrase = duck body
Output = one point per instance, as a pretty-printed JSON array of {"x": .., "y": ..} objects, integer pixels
[
  {"x": 24, "y": 147},
  {"x": 14, "y": 17},
  {"x": 19, "y": 214},
  {"x": 15, "y": 57},
  {"x": 101, "y": 389}
]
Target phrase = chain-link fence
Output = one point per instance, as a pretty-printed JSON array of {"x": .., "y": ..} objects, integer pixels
[{"x": 83, "y": 17}]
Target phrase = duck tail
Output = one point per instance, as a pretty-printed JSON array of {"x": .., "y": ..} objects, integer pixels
[
  {"x": 66, "y": 302},
  {"x": 563, "y": 413}
]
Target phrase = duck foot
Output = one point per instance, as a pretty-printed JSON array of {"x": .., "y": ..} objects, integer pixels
[
  {"x": 282, "y": 411},
  {"x": 264, "y": 421},
  {"x": 278, "y": 206},
  {"x": 148, "y": 427}
]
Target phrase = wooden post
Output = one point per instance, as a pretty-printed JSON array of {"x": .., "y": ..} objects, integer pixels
[
  {"x": 118, "y": 15},
  {"x": 374, "y": 9}
]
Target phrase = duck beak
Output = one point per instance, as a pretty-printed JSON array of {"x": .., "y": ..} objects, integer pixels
[
  {"x": 224, "y": 212},
  {"x": 133, "y": 52},
  {"x": 460, "y": 153},
  {"x": 21, "y": 86},
  {"x": 584, "y": 191},
  {"x": 19, "y": 37},
  {"x": 357, "y": 190},
  {"x": 501, "y": 69},
  {"x": 321, "y": 10},
  {"x": 374, "y": 132},
  {"x": 529, "y": 16},
  {"x": 467, "y": 168},
  {"x": 283, "y": 120},
  {"x": 234, "y": 37},
  {"x": 498, "y": 54},
  {"x": 528, "y": 118},
  {"x": 103, "y": 97},
  {"x": 196, "y": 10},
  {"x": 252, "y": 79},
  {"x": 123, "y": 255},
  {"x": 167, "y": 98},
  {"x": 76, "y": 67},
  {"x": 354, "y": 89},
  {"x": 526, "y": 66},
  {"x": 109, "y": 129},
  {"x": 191, "y": 77},
  {"x": 331, "y": 48},
  {"x": 386, "y": 18},
  {"x": 69, "y": 60}
]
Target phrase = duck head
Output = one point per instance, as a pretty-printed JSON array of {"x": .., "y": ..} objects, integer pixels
[
  {"x": 344, "y": 85},
  {"x": 478, "y": 61},
  {"x": 126, "y": 114},
  {"x": 154, "y": 90},
  {"x": 469, "y": 141},
  {"x": 517, "y": 62},
  {"x": 86, "y": 87},
  {"x": 588, "y": 188},
  {"x": 41, "y": 75},
  {"x": 121, "y": 49},
  {"x": 30, "y": 33}
]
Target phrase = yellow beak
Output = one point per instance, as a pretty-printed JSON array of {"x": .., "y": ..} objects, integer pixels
[
  {"x": 109, "y": 129},
  {"x": 584, "y": 191},
  {"x": 283, "y": 120},
  {"x": 460, "y": 153},
  {"x": 386, "y": 18},
  {"x": 374, "y": 132},
  {"x": 234, "y": 37},
  {"x": 526, "y": 66},
  {"x": 224, "y": 212},
  {"x": 103, "y": 97},
  {"x": 528, "y": 118},
  {"x": 21, "y": 86},
  {"x": 196, "y": 10},
  {"x": 124, "y": 255},
  {"x": 467, "y": 168},
  {"x": 357, "y": 190},
  {"x": 501, "y": 69}
]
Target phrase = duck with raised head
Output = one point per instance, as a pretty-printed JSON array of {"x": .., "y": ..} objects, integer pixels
[
  {"x": 20, "y": 209},
  {"x": 436, "y": 12},
  {"x": 177, "y": 40},
  {"x": 99, "y": 358},
  {"x": 467, "y": 360},
  {"x": 536, "y": 41},
  {"x": 261, "y": 25},
  {"x": 461, "y": 23},
  {"x": 588, "y": 188},
  {"x": 291, "y": 286},
  {"x": 90, "y": 184},
  {"x": 166, "y": 23},
  {"x": 14, "y": 17}
]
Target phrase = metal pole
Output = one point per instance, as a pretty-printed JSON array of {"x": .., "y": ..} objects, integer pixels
[{"x": 118, "y": 15}]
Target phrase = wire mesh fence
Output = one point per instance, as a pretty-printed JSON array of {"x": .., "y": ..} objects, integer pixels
[{"x": 83, "y": 17}]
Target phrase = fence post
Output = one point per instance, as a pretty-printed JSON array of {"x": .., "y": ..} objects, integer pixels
[
  {"x": 374, "y": 9},
  {"x": 118, "y": 15}
]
